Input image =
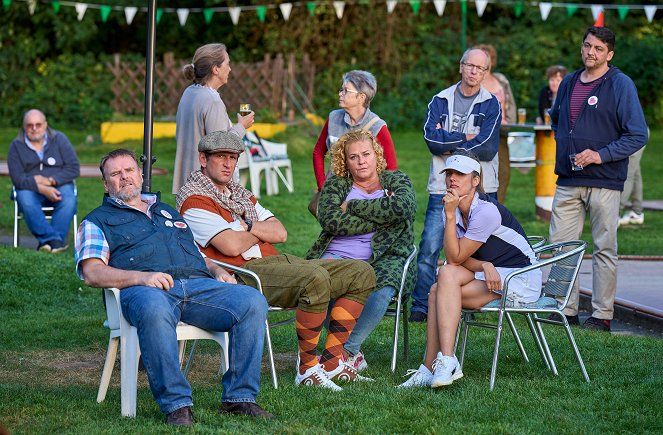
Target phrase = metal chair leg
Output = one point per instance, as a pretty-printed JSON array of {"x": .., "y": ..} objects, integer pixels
[
  {"x": 516, "y": 337},
  {"x": 536, "y": 338},
  {"x": 546, "y": 348},
  {"x": 271, "y": 355},
  {"x": 576, "y": 350},
  {"x": 493, "y": 371}
]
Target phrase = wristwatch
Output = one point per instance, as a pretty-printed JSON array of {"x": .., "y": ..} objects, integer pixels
[{"x": 249, "y": 224}]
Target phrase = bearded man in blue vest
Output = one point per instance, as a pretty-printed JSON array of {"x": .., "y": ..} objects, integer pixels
[{"x": 142, "y": 246}]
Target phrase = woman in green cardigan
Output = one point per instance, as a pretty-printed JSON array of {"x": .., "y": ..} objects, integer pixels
[{"x": 367, "y": 213}]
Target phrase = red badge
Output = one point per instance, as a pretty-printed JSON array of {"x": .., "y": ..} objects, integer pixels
[
  {"x": 593, "y": 100},
  {"x": 179, "y": 224}
]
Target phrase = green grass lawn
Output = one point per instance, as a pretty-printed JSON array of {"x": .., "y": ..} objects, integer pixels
[{"x": 52, "y": 344}]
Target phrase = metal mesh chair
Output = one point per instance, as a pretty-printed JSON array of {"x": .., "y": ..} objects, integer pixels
[{"x": 562, "y": 267}]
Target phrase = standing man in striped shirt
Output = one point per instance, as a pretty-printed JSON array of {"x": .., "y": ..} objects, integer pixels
[{"x": 598, "y": 123}]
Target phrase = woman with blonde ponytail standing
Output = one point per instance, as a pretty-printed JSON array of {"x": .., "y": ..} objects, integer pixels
[{"x": 201, "y": 110}]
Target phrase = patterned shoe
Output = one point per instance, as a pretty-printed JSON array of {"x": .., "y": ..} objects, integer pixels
[
  {"x": 418, "y": 378},
  {"x": 316, "y": 376},
  {"x": 358, "y": 361},
  {"x": 345, "y": 372}
]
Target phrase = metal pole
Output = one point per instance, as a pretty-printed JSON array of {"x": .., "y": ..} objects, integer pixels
[{"x": 147, "y": 157}]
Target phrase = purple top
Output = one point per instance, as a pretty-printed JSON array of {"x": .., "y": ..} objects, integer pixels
[{"x": 358, "y": 246}]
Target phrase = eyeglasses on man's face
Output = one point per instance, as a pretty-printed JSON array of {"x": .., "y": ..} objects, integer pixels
[
  {"x": 471, "y": 66},
  {"x": 345, "y": 91},
  {"x": 36, "y": 126}
]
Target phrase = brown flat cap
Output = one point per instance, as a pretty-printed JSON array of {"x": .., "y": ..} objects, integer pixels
[{"x": 219, "y": 141}]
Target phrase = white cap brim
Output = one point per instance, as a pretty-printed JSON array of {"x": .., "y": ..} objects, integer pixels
[{"x": 462, "y": 164}]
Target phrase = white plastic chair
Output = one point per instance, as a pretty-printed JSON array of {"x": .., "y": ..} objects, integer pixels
[
  {"x": 254, "y": 168},
  {"x": 564, "y": 266},
  {"x": 522, "y": 149},
  {"x": 273, "y": 156},
  {"x": 125, "y": 336},
  {"x": 48, "y": 212}
]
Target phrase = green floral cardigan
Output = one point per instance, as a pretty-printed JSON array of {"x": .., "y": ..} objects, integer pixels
[{"x": 391, "y": 217}]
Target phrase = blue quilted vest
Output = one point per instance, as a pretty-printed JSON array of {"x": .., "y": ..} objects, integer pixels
[{"x": 163, "y": 243}]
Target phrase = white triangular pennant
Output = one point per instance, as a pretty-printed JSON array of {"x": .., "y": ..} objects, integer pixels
[
  {"x": 286, "y": 8},
  {"x": 32, "y": 5},
  {"x": 650, "y": 11},
  {"x": 130, "y": 13},
  {"x": 234, "y": 14},
  {"x": 545, "y": 10},
  {"x": 391, "y": 5},
  {"x": 339, "y": 7},
  {"x": 182, "y": 15},
  {"x": 481, "y": 6},
  {"x": 596, "y": 10},
  {"x": 80, "y": 10},
  {"x": 439, "y": 6}
]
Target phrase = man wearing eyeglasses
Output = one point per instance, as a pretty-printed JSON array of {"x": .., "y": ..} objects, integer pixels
[
  {"x": 598, "y": 123},
  {"x": 43, "y": 166},
  {"x": 465, "y": 115}
]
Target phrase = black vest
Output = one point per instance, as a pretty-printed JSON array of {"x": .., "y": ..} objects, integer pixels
[{"x": 163, "y": 243}]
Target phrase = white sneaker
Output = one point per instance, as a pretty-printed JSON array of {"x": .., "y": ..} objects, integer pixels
[
  {"x": 316, "y": 376},
  {"x": 632, "y": 218},
  {"x": 358, "y": 361},
  {"x": 345, "y": 372},
  {"x": 418, "y": 378},
  {"x": 445, "y": 370}
]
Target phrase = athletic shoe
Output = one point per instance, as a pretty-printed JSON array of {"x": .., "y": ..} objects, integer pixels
[
  {"x": 418, "y": 378},
  {"x": 44, "y": 247},
  {"x": 57, "y": 246},
  {"x": 632, "y": 218},
  {"x": 418, "y": 317},
  {"x": 316, "y": 376},
  {"x": 597, "y": 324},
  {"x": 345, "y": 372},
  {"x": 446, "y": 370},
  {"x": 573, "y": 320},
  {"x": 358, "y": 361}
]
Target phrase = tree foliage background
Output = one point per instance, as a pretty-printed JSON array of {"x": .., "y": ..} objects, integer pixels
[{"x": 52, "y": 61}]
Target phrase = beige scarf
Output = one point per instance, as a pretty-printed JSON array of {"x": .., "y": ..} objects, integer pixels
[{"x": 238, "y": 202}]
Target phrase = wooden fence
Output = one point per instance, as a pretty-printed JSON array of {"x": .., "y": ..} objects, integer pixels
[{"x": 280, "y": 85}]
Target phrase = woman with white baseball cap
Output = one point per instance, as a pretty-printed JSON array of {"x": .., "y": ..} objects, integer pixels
[{"x": 483, "y": 243}]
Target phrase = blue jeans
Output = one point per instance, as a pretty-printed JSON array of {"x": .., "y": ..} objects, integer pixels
[
  {"x": 373, "y": 312},
  {"x": 208, "y": 304},
  {"x": 432, "y": 240},
  {"x": 30, "y": 204}
]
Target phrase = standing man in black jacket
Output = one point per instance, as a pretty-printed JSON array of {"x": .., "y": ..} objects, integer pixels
[
  {"x": 598, "y": 123},
  {"x": 43, "y": 166}
]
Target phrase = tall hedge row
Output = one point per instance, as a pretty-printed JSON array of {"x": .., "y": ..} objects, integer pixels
[{"x": 53, "y": 61}]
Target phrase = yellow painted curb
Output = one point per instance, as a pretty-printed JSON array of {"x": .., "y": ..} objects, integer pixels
[{"x": 116, "y": 132}]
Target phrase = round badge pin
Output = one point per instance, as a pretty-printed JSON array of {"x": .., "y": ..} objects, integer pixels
[
  {"x": 593, "y": 100},
  {"x": 169, "y": 224},
  {"x": 180, "y": 224},
  {"x": 166, "y": 214},
  {"x": 50, "y": 161}
]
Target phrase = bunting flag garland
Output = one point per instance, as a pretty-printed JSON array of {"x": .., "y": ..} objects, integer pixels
[
  {"x": 439, "y": 6},
  {"x": 415, "y": 5},
  {"x": 261, "y": 11},
  {"x": 650, "y": 11},
  {"x": 518, "y": 9},
  {"x": 286, "y": 8},
  {"x": 339, "y": 7},
  {"x": 129, "y": 14},
  {"x": 545, "y": 10},
  {"x": 481, "y": 6},
  {"x": 597, "y": 10},
  {"x": 80, "y": 10},
  {"x": 207, "y": 14},
  {"x": 182, "y": 15},
  {"x": 234, "y": 14},
  {"x": 104, "y": 12}
]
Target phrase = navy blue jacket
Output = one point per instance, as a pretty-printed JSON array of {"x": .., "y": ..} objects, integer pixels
[
  {"x": 163, "y": 243},
  {"x": 59, "y": 162},
  {"x": 614, "y": 126}
]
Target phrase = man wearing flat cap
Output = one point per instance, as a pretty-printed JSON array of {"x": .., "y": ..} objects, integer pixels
[{"x": 231, "y": 226}]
